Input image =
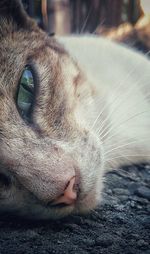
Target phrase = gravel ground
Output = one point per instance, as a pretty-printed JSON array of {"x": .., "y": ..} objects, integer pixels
[{"x": 120, "y": 225}]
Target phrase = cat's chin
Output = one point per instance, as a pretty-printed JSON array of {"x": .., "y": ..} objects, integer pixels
[{"x": 84, "y": 204}]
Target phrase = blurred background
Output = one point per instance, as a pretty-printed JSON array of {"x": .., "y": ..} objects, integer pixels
[{"x": 121, "y": 20}]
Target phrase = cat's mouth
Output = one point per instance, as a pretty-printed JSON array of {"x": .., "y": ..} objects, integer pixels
[
  {"x": 83, "y": 204},
  {"x": 84, "y": 201}
]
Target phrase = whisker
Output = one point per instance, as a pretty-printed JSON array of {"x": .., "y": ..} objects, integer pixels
[
  {"x": 113, "y": 164},
  {"x": 124, "y": 145},
  {"x": 121, "y": 101},
  {"x": 118, "y": 86},
  {"x": 99, "y": 25},
  {"x": 122, "y": 141},
  {"x": 86, "y": 20},
  {"x": 130, "y": 118},
  {"x": 108, "y": 139},
  {"x": 99, "y": 115},
  {"x": 147, "y": 53},
  {"x": 128, "y": 155}
]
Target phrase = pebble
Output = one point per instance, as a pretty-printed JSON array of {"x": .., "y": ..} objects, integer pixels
[
  {"x": 123, "y": 198},
  {"x": 147, "y": 167},
  {"x": 89, "y": 242},
  {"x": 132, "y": 203},
  {"x": 122, "y": 191},
  {"x": 32, "y": 234},
  {"x": 148, "y": 208},
  {"x": 142, "y": 243},
  {"x": 140, "y": 200},
  {"x": 146, "y": 222},
  {"x": 143, "y": 192},
  {"x": 104, "y": 241},
  {"x": 108, "y": 191},
  {"x": 119, "y": 208}
]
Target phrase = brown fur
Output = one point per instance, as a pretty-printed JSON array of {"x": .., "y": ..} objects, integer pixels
[
  {"x": 38, "y": 157},
  {"x": 137, "y": 35}
]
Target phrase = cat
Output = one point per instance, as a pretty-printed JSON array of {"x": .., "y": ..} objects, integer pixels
[
  {"x": 137, "y": 36},
  {"x": 71, "y": 108}
]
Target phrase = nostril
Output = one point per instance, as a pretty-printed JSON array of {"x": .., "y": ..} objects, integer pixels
[
  {"x": 4, "y": 180},
  {"x": 68, "y": 197}
]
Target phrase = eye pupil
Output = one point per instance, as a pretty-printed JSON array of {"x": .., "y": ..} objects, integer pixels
[
  {"x": 27, "y": 80},
  {"x": 25, "y": 94}
]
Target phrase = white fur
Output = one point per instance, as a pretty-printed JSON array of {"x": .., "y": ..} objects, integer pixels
[{"x": 122, "y": 77}]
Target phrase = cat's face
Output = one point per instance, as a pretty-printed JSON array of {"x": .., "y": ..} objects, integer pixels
[{"x": 43, "y": 148}]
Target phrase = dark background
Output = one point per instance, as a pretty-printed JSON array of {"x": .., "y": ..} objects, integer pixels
[{"x": 78, "y": 16}]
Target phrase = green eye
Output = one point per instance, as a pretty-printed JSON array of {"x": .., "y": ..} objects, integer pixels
[{"x": 25, "y": 95}]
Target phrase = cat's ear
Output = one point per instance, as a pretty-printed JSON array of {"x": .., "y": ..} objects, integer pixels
[{"x": 13, "y": 11}]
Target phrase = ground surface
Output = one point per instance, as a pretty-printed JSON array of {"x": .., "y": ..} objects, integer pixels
[{"x": 120, "y": 225}]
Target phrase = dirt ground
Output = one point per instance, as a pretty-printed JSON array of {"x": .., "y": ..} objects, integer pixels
[{"x": 120, "y": 225}]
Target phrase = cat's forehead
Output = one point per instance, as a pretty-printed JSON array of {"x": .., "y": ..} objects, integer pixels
[
  {"x": 56, "y": 74},
  {"x": 22, "y": 43},
  {"x": 28, "y": 42},
  {"x": 19, "y": 48}
]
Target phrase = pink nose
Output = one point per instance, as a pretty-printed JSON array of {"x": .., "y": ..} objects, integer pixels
[{"x": 69, "y": 196}]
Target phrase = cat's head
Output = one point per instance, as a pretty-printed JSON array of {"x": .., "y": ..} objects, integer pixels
[{"x": 50, "y": 161}]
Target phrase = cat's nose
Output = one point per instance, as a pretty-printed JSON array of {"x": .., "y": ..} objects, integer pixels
[{"x": 69, "y": 195}]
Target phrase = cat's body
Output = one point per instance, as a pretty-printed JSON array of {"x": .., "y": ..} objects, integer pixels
[{"x": 91, "y": 112}]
